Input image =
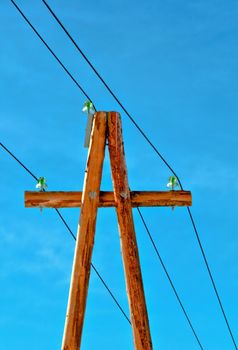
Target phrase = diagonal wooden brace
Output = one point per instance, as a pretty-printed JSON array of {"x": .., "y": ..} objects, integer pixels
[
  {"x": 85, "y": 236},
  {"x": 130, "y": 254}
]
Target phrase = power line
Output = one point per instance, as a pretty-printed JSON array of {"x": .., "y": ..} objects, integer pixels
[
  {"x": 211, "y": 277},
  {"x": 111, "y": 293},
  {"x": 71, "y": 232},
  {"x": 161, "y": 157},
  {"x": 18, "y": 161},
  {"x": 52, "y": 52},
  {"x": 169, "y": 278}
]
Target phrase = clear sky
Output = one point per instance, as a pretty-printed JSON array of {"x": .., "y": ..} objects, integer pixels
[{"x": 174, "y": 66}]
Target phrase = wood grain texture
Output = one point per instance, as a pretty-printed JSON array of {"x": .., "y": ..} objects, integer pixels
[
  {"x": 60, "y": 199},
  {"x": 85, "y": 236},
  {"x": 134, "y": 284}
]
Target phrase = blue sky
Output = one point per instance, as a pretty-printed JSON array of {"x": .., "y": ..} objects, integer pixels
[{"x": 174, "y": 66}]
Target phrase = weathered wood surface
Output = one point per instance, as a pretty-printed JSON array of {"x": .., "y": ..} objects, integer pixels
[
  {"x": 85, "y": 236},
  {"x": 134, "y": 284},
  {"x": 106, "y": 199}
]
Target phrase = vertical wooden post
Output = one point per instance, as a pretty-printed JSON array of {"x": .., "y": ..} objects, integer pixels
[
  {"x": 85, "y": 236},
  {"x": 135, "y": 291}
]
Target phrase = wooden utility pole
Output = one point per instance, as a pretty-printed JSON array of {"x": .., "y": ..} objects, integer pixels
[
  {"x": 85, "y": 236},
  {"x": 134, "y": 284},
  {"x": 106, "y": 125}
]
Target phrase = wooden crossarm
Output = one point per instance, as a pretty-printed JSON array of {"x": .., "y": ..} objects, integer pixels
[{"x": 61, "y": 199}]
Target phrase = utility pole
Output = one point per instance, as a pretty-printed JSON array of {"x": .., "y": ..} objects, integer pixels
[{"x": 106, "y": 126}]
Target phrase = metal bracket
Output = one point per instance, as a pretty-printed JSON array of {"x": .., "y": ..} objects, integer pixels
[{"x": 88, "y": 131}]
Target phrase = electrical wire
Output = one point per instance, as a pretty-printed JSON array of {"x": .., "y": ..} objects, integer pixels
[
  {"x": 18, "y": 161},
  {"x": 161, "y": 157},
  {"x": 71, "y": 232},
  {"x": 211, "y": 277},
  {"x": 169, "y": 278},
  {"x": 53, "y": 53}
]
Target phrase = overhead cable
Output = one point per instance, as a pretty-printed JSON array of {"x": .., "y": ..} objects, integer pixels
[
  {"x": 52, "y": 52},
  {"x": 169, "y": 278}
]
